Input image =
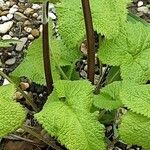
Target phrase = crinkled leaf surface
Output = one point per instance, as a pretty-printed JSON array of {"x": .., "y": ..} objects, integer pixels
[
  {"x": 135, "y": 129},
  {"x": 130, "y": 52},
  {"x": 66, "y": 115},
  {"x": 32, "y": 66},
  {"x": 12, "y": 114},
  {"x": 107, "y": 15},
  {"x": 137, "y": 98},
  {"x": 109, "y": 97}
]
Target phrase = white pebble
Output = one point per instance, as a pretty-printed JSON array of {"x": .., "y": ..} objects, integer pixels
[
  {"x": 12, "y": 10},
  {"x": 8, "y": 3},
  {"x": 1, "y": 2},
  {"x": 15, "y": 6},
  {"x": 30, "y": 37},
  {"x": 36, "y": 6},
  {"x": 4, "y": 18},
  {"x": 41, "y": 28},
  {"x": 5, "y": 26},
  {"x": 15, "y": 38},
  {"x": 35, "y": 15},
  {"x": 140, "y": 3},
  {"x": 51, "y": 15},
  {"x": 143, "y": 9},
  {"x": 9, "y": 16},
  {"x": 6, "y": 37},
  {"x": 27, "y": 29}
]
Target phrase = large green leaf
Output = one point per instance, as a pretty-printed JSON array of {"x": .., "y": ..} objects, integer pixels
[
  {"x": 135, "y": 129},
  {"x": 108, "y": 16},
  {"x": 66, "y": 115},
  {"x": 109, "y": 97},
  {"x": 130, "y": 52},
  {"x": 136, "y": 97},
  {"x": 12, "y": 114}
]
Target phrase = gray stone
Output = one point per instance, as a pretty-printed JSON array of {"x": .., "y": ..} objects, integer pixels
[
  {"x": 19, "y": 16},
  {"x": 21, "y": 44},
  {"x": 28, "y": 11},
  {"x": 143, "y": 9},
  {"x": 10, "y": 61},
  {"x": 6, "y": 37}
]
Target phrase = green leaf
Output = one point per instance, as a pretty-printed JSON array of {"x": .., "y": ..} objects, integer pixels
[
  {"x": 130, "y": 52},
  {"x": 108, "y": 16},
  {"x": 136, "y": 98},
  {"x": 135, "y": 129},
  {"x": 66, "y": 115},
  {"x": 32, "y": 66},
  {"x": 12, "y": 114},
  {"x": 109, "y": 97},
  {"x": 7, "y": 43}
]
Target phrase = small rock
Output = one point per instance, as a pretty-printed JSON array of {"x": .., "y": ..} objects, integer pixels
[
  {"x": 4, "y": 7},
  {"x": 24, "y": 85},
  {"x": 29, "y": 11},
  {"x": 83, "y": 74},
  {"x": 4, "y": 18},
  {"x": 5, "y": 26},
  {"x": 30, "y": 37},
  {"x": 27, "y": 23},
  {"x": 28, "y": 29},
  {"x": 19, "y": 16},
  {"x": 41, "y": 28},
  {"x": 36, "y": 6},
  {"x": 35, "y": 15},
  {"x": 85, "y": 68},
  {"x": 143, "y": 9},
  {"x": 15, "y": 38},
  {"x": 4, "y": 13},
  {"x": 18, "y": 96},
  {"x": 35, "y": 32},
  {"x": 52, "y": 15},
  {"x": 8, "y": 3},
  {"x": 140, "y": 3},
  {"x": 11, "y": 33},
  {"x": 10, "y": 61},
  {"x": 21, "y": 44},
  {"x": 6, "y": 37},
  {"x": 13, "y": 10},
  {"x": 10, "y": 16}
]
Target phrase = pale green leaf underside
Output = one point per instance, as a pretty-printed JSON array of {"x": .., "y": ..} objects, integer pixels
[
  {"x": 109, "y": 97},
  {"x": 68, "y": 117},
  {"x": 130, "y": 52},
  {"x": 108, "y": 16},
  {"x": 136, "y": 98},
  {"x": 12, "y": 114},
  {"x": 135, "y": 129},
  {"x": 32, "y": 65}
]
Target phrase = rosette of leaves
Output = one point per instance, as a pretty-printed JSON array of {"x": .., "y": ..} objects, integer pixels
[
  {"x": 67, "y": 116},
  {"x": 108, "y": 17},
  {"x": 12, "y": 114},
  {"x": 130, "y": 52}
]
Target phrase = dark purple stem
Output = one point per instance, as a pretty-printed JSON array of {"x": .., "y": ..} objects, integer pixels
[
  {"x": 46, "y": 56},
  {"x": 90, "y": 39}
]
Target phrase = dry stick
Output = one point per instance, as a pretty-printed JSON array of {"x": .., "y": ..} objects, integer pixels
[
  {"x": 28, "y": 99},
  {"x": 40, "y": 137},
  {"x": 46, "y": 56},
  {"x": 90, "y": 39}
]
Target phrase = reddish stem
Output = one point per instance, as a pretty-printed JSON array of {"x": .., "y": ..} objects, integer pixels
[
  {"x": 46, "y": 56},
  {"x": 90, "y": 39}
]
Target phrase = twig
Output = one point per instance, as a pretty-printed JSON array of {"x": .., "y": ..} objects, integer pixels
[
  {"x": 46, "y": 56},
  {"x": 90, "y": 39},
  {"x": 100, "y": 81},
  {"x": 40, "y": 137},
  {"x": 28, "y": 99}
]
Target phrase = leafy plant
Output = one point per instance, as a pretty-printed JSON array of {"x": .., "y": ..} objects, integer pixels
[{"x": 73, "y": 112}]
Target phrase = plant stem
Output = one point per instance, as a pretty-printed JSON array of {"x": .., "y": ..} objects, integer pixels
[
  {"x": 28, "y": 99},
  {"x": 46, "y": 49},
  {"x": 100, "y": 81},
  {"x": 40, "y": 137},
  {"x": 90, "y": 39}
]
